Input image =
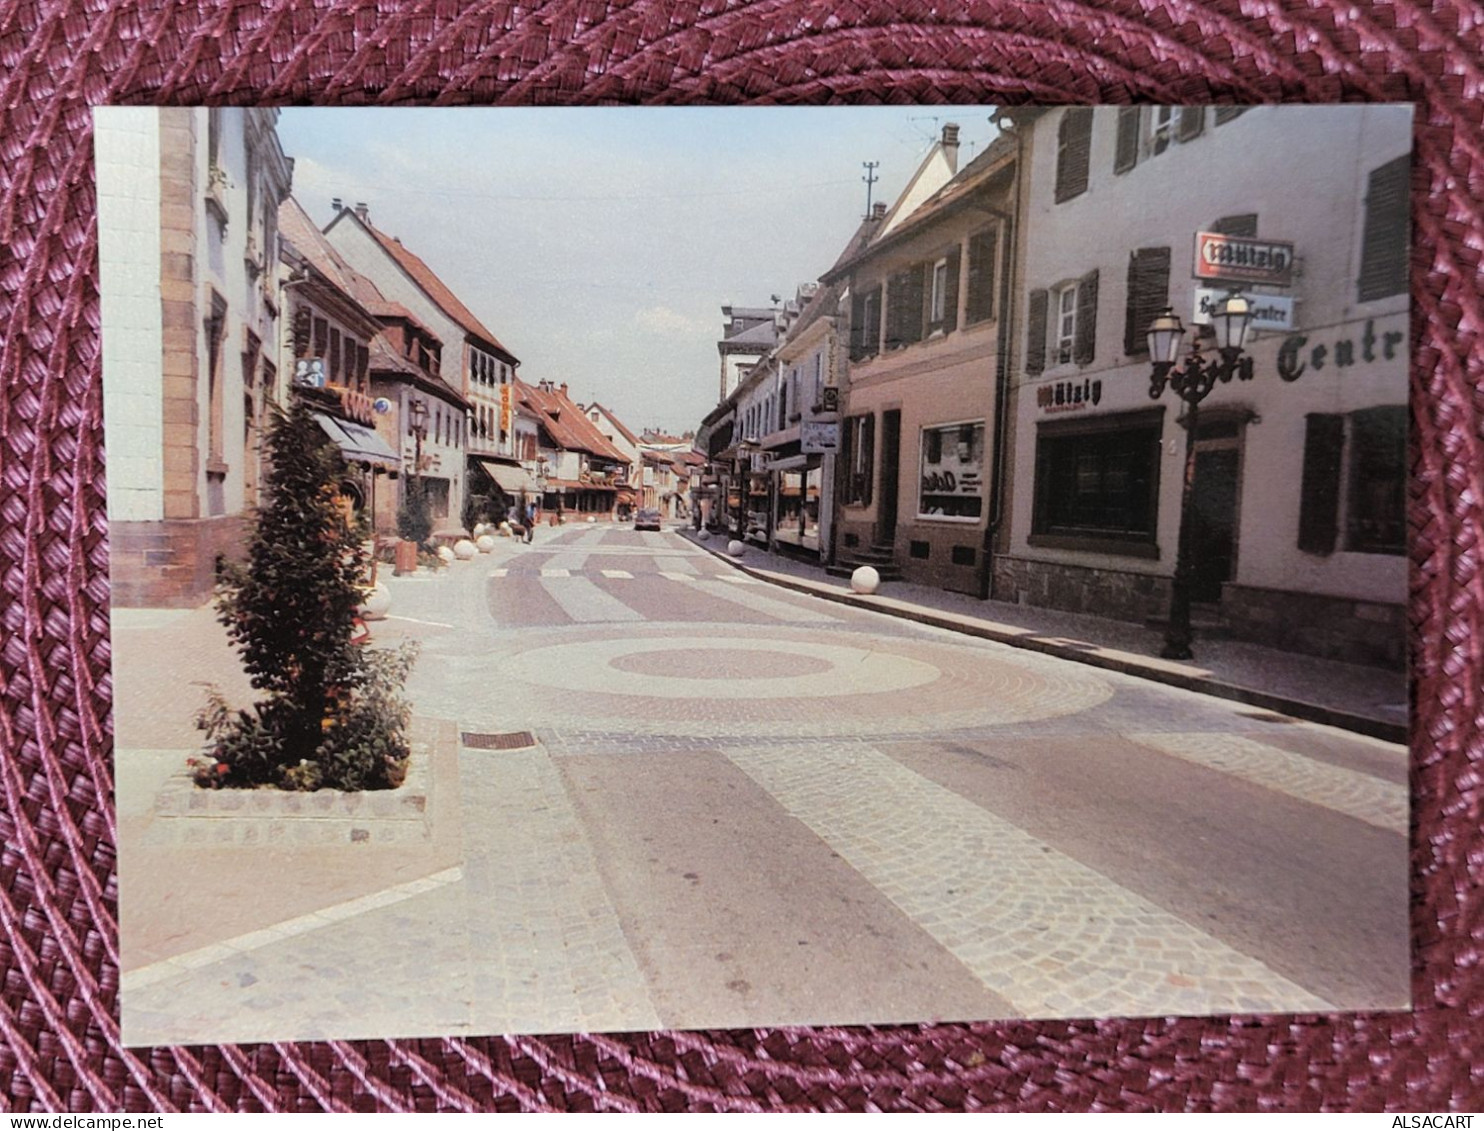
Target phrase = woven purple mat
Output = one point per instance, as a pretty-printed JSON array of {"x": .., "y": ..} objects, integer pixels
[{"x": 59, "y": 1035}]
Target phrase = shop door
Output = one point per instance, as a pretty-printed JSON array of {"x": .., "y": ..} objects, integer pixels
[
  {"x": 891, "y": 450},
  {"x": 1213, "y": 514}
]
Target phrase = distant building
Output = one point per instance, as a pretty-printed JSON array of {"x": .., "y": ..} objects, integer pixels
[
  {"x": 326, "y": 354},
  {"x": 473, "y": 362},
  {"x": 922, "y": 488},
  {"x": 747, "y": 336},
  {"x": 618, "y": 434},
  {"x": 188, "y": 246},
  {"x": 580, "y": 471}
]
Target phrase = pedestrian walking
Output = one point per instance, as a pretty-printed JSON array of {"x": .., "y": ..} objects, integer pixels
[{"x": 530, "y": 517}]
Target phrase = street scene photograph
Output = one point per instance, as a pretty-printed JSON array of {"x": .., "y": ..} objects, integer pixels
[{"x": 621, "y": 569}]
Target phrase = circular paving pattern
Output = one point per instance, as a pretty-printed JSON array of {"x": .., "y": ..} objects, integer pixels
[
  {"x": 785, "y": 682},
  {"x": 716, "y": 663}
]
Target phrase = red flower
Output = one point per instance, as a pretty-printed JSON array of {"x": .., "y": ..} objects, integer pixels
[{"x": 222, "y": 767}]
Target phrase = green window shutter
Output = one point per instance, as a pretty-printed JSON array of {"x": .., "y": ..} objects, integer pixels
[
  {"x": 1148, "y": 294},
  {"x": 1319, "y": 495},
  {"x": 1035, "y": 334},
  {"x": 1126, "y": 150},
  {"x": 1383, "y": 256},
  {"x": 1085, "y": 346}
]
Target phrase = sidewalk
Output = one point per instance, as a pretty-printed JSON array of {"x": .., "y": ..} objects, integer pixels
[{"x": 1367, "y": 700}]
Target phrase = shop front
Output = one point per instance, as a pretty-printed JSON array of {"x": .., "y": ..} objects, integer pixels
[{"x": 798, "y": 491}]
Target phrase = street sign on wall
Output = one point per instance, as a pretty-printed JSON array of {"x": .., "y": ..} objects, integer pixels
[
  {"x": 1237, "y": 259},
  {"x": 1269, "y": 312},
  {"x": 818, "y": 436}
]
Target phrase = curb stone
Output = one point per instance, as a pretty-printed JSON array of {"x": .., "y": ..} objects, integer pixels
[{"x": 1151, "y": 668}]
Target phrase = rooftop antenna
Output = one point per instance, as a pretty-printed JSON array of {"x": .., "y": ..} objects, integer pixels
[{"x": 870, "y": 178}]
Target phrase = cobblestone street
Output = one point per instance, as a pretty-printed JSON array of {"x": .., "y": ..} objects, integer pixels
[{"x": 746, "y": 806}]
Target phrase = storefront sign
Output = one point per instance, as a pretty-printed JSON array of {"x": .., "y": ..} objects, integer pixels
[
  {"x": 1269, "y": 312},
  {"x": 507, "y": 407},
  {"x": 1296, "y": 354},
  {"x": 1237, "y": 259},
  {"x": 1068, "y": 396},
  {"x": 818, "y": 436}
]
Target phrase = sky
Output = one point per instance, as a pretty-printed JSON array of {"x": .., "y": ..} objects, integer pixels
[{"x": 601, "y": 244}]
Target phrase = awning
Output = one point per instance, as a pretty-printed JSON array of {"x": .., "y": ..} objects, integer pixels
[
  {"x": 511, "y": 479},
  {"x": 359, "y": 444}
]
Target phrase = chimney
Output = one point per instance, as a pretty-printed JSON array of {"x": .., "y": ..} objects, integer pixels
[
  {"x": 878, "y": 210},
  {"x": 363, "y": 212},
  {"x": 950, "y": 145},
  {"x": 564, "y": 388},
  {"x": 337, "y": 204}
]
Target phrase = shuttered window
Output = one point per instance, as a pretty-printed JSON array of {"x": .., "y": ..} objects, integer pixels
[
  {"x": 1243, "y": 224},
  {"x": 1319, "y": 494},
  {"x": 859, "y": 453},
  {"x": 1085, "y": 346},
  {"x": 865, "y": 324},
  {"x": 1383, "y": 256},
  {"x": 1376, "y": 499},
  {"x": 979, "y": 304},
  {"x": 906, "y": 291},
  {"x": 1192, "y": 122},
  {"x": 1148, "y": 294},
  {"x": 1226, "y": 114},
  {"x": 1073, "y": 153},
  {"x": 1035, "y": 334},
  {"x": 1126, "y": 149},
  {"x": 944, "y": 293}
]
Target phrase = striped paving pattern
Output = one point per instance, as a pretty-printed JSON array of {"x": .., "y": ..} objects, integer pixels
[
  {"x": 1380, "y": 803},
  {"x": 1048, "y": 934}
]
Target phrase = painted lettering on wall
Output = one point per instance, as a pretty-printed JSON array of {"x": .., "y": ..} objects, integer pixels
[
  {"x": 1065, "y": 396},
  {"x": 1294, "y": 360}
]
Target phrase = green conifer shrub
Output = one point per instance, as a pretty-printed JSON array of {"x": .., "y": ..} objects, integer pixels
[{"x": 332, "y": 715}]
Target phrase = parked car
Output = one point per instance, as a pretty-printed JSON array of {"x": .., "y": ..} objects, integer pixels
[{"x": 646, "y": 519}]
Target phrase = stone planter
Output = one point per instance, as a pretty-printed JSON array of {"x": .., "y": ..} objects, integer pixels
[{"x": 185, "y": 813}]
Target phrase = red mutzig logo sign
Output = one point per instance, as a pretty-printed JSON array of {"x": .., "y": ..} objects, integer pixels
[{"x": 1236, "y": 259}]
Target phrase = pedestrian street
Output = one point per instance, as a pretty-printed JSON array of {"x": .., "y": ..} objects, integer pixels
[{"x": 729, "y": 804}]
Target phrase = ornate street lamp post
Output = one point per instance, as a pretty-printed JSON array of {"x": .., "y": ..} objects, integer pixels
[
  {"x": 419, "y": 412},
  {"x": 1192, "y": 383}
]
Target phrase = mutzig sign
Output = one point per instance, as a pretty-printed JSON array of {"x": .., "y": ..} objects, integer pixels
[
  {"x": 1237, "y": 259},
  {"x": 1269, "y": 312}
]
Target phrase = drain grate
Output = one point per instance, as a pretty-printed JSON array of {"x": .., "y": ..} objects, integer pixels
[{"x": 513, "y": 740}]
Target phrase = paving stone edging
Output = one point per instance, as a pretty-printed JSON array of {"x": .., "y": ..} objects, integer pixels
[
  {"x": 1108, "y": 659},
  {"x": 187, "y": 814}
]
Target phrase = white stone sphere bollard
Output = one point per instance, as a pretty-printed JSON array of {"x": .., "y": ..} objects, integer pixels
[
  {"x": 480, "y": 528},
  {"x": 485, "y": 544},
  {"x": 464, "y": 549},
  {"x": 590, "y": 518},
  {"x": 505, "y": 530},
  {"x": 703, "y": 534},
  {"x": 865, "y": 580},
  {"x": 376, "y": 603},
  {"x": 735, "y": 548},
  {"x": 445, "y": 553}
]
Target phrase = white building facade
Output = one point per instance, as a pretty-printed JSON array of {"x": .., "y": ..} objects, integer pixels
[{"x": 1299, "y": 507}]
